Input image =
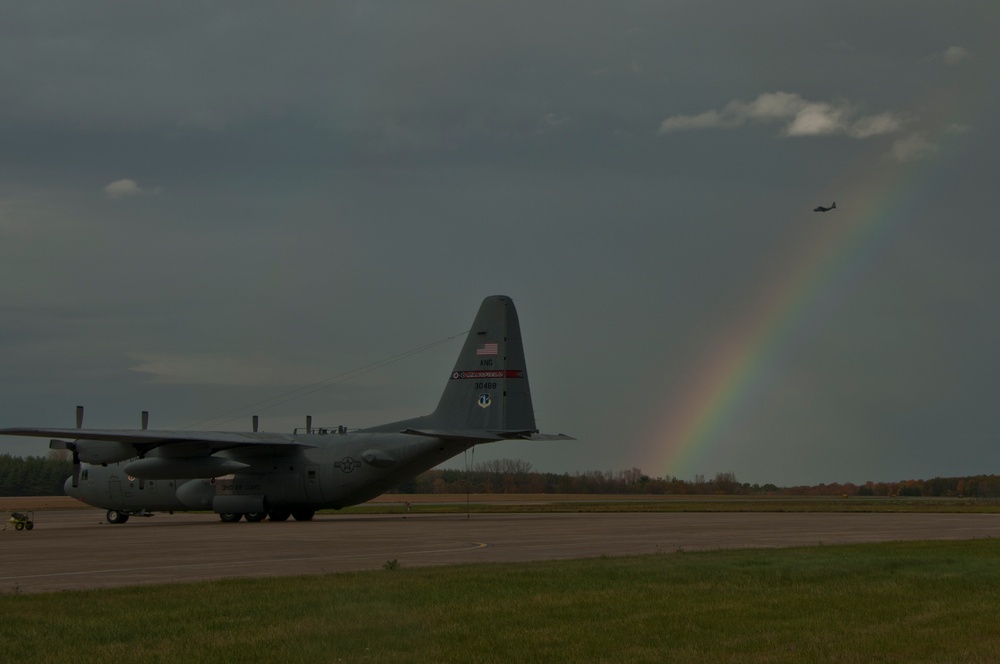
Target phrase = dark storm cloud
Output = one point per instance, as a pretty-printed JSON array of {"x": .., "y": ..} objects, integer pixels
[{"x": 188, "y": 190}]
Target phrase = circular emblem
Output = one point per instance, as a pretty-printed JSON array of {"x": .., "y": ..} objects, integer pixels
[
  {"x": 347, "y": 464},
  {"x": 484, "y": 400}
]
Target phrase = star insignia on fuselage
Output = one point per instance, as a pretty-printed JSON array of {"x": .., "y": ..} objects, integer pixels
[{"x": 347, "y": 464}]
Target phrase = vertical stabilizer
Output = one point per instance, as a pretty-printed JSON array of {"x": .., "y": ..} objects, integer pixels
[
  {"x": 487, "y": 391},
  {"x": 488, "y": 388}
]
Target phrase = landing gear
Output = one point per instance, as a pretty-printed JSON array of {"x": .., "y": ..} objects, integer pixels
[
  {"x": 114, "y": 516},
  {"x": 254, "y": 517}
]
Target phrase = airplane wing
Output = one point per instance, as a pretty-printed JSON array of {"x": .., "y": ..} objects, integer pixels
[{"x": 144, "y": 440}]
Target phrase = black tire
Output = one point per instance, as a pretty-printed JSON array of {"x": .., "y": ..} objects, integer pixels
[
  {"x": 18, "y": 526},
  {"x": 279, "y": 515},
  {"x": 29, "y": 525},
  {"x": 114, "y": 516},
  {"x": 303, "y": 515},
  {"x": 231, "y": 517},
  {"x": 254, "y": 517}
]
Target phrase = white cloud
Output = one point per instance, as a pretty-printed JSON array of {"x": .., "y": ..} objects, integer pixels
[
  {"x": 704, "y": 120},
  {"x": 816, "y": 119},
  {"x": 799, "y": 116},
  {"x": 954, "y": 55},
  {"x": 875, "y": 125},
  {"x": 551, "y": 122},
  {"x": 127, "y": 187},
  {"x": 912, "y": 147},
  {"x": 216, "y": 370}
]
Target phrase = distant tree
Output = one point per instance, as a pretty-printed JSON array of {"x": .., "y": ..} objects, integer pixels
[
  {"x": 33, "y": 476},
  {"x": 726, "y": 483}
]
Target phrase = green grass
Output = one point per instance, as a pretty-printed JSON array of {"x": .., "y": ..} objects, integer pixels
[
  {"x": 893, "y": 602},
  {"x": 720, "y": 504}
]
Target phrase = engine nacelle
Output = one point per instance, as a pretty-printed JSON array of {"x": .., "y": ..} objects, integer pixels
[
  {"x": 158, "y": 468},
  {"x": 196, "y": 494},
  {"x": 104, "y": 451}
]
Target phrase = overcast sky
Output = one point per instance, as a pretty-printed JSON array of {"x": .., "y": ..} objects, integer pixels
[{"x": 206, "y": 206}]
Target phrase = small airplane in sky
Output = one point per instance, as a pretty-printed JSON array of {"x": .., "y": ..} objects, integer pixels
[
  {"x": 270, "y": 475},
  {"x": 820, "y": 208}
]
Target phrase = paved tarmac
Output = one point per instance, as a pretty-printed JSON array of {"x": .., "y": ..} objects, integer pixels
[{"x": 77, "y": 549}]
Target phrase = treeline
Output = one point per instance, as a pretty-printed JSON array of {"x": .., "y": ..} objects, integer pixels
[
  {"x": 33, "y": 476},
  {"x": 516, "y": 476},
  {"x": 44, "y": 476}
]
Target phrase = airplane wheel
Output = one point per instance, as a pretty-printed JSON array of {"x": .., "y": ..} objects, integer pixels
[
  {"x": 254, "y": 517},
  {"x": 279, "y": 515},
  {"x": 230, "y": 518},
  {"x": 114, "y": 516},
  {"x": 303, "y": 515}
]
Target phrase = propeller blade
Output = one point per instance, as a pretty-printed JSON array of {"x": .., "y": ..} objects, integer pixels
[
  {"x": 79, "y": 417},
  {"x": 145, "y": 420},
  {"x": 76, "y": 468},
  {"x": 56, "y": 444}
]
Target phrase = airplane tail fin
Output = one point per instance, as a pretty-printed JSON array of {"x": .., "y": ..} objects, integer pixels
[
  {"x": 488, "y": 388},
  {"x": 487, "y": 395},
  {"x": 834, "y": 206}
]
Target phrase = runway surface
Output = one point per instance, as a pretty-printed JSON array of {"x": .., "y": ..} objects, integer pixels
[{"x": 77, "y": 549}]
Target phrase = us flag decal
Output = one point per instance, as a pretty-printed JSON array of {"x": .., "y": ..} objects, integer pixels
[{"x": 490, "y": 348}]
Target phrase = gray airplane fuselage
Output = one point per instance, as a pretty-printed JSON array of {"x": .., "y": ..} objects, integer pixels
[{"x": 328, "y": 471}]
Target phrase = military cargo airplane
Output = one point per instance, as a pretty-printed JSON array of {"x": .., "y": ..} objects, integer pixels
[
  {"x": 268, "y": 475},
  {"x": 820, "y": 208}
]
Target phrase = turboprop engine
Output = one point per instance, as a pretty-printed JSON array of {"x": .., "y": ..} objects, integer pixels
[
  {"x": 100, "y": 452},
  {"x": 103, "y": 451},
  {"x": 155, "y": 468},
  {"x": 96, "y": 451}
]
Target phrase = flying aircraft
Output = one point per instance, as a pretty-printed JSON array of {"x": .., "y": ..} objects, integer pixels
[
  {"x": 820, "y": 208},
  {"x": 269, "y": 475}
]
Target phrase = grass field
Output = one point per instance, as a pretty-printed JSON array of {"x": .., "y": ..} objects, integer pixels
[
  {"x": 895, "y": 602},
  {"x": 611, "y": 503}
]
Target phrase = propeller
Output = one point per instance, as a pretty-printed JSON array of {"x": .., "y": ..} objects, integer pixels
[
  {"x": 56, "y": 444},
  {"x": 72, "y": 448},
  {"x": 255, "y": 423},
  {"x": 145, "y": 420}
]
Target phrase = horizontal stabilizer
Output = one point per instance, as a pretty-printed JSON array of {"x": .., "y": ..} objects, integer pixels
[
  {"x": 471, "y": 435},
  {"x": 542, "y": 437},
  {"x": 487, "y": 436}
]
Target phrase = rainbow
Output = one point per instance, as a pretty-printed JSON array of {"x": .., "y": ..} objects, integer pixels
[{"x": 820, "y": 266}]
